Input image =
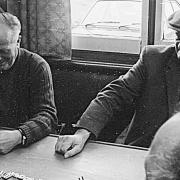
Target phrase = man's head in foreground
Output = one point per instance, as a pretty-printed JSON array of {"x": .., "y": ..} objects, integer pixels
[
  {"x": 163, "y": 160},
  {"x": 9, "y": 40}
]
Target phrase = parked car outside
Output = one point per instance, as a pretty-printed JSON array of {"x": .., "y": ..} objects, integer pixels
[{"x": 120, "y": 18}]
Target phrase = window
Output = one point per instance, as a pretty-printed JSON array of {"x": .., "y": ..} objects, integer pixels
[
  {"x": 165, "y": 8},
  {"x": 109, "y": 25},
  {"x": 112, "y": 18},
  {"x": 119, "y": 25}
]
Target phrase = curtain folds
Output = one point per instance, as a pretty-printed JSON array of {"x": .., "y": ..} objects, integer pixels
[{"x": 46, "y": 26}]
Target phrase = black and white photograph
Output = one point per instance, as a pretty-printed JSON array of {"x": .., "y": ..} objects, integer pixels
[{"x": 89, "y": 89}]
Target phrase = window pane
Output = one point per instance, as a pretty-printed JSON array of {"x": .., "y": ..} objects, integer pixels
[
  {"x": 114, "y": 18},
  {"x": 170, "y": 6},
  {"x": 79, "y": 9}
]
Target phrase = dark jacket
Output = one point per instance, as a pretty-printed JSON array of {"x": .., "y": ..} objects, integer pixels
[
  {"x": 27, "y": 97},
  {"x": 150, "y": 86}
]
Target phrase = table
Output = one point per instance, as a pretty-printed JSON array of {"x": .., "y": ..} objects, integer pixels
[{"x": 98, "y": 161}]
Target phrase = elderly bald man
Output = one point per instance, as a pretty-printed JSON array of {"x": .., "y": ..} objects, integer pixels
[{"x": 163, "y": 160}]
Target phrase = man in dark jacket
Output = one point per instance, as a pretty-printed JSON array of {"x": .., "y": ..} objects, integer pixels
[
  {"x": 27, "y": 108},
  {"x": 152, "y": 86}
]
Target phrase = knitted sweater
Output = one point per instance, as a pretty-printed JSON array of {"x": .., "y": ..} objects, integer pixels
[{"x": 27, "y": 97}]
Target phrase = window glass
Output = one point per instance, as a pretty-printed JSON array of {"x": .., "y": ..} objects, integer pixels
[
  {"x": 170, "y": 6},
  {"x": 109, "y": 25},
  {"x": 79, "y": 9},
  {"x": 112, "y": 18}
]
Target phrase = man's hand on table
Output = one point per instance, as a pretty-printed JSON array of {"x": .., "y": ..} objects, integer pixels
[
  {"x": 70, "y": 145},
  {"x": 8, "y": 140}
]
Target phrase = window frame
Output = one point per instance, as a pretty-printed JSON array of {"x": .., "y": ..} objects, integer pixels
[{"x": 110, "y": 44}]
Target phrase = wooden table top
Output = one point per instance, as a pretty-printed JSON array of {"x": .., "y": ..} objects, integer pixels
[{"x": 98, "y": 161}]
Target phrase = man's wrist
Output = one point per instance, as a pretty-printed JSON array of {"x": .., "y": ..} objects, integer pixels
[
  {"x": 83, "y": 132},
  {"x": 23, "y": 137},
  {"x": 18, "y": 136}
]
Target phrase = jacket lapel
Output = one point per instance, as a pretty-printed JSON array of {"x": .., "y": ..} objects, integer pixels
[{"x": 172, "y": 85}]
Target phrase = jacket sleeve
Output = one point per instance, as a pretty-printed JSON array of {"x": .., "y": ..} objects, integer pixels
[
  {"x": 42, "y": 110},
  {"x": 123, "y": 90}
]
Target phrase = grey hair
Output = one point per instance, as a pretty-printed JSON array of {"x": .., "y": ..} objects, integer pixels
[{"x": 11, "y": 21}]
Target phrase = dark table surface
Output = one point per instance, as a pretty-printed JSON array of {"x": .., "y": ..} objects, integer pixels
[{"x": 98, "y": 161}]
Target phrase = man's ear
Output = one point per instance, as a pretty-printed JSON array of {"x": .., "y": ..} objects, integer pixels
[{"x": 19, "y": 41}]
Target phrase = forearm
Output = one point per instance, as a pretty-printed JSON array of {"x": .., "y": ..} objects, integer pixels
[
  {"x": 117, "y": 95},
  {"x": 93, "y": 119},
  {"x": 102, "y": 109},
  {"x": 37, "y": 128}
]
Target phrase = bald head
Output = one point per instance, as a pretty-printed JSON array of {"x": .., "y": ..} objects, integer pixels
[
  {"x": 11, "y": 21},
  {"x": 163, "y": 160},
  {"x": 9, "y": 40},
  {"x": 10, "y": 28}
]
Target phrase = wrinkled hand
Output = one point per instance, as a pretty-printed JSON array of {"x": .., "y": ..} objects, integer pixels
[
  {"x": 8, "y": 140},
  {"x": 70, "y": 145}
]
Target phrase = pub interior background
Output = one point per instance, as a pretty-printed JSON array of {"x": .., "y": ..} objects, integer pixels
[{"x": 88, "y": 44}]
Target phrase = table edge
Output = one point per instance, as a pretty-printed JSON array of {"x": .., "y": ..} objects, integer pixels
[{"x": 110, "y": 144}]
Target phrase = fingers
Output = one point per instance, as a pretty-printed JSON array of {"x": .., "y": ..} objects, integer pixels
[
  {"x": 63, "y": 144},
  {"x": 4, "y": 151},
  {"x": 69, "y": 145},
  {"x": 75, "y": 150}
]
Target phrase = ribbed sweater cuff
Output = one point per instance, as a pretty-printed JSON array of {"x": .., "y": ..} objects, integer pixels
[{"x": 26, "y": 130}]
